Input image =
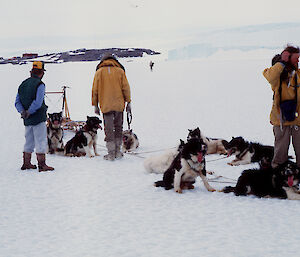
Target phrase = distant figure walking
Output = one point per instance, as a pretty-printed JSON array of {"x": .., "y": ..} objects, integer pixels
[
  {"x": 30, "y": 104},
  {"x": 151, "y": 64},
  {"x": 111, "y": 91}
]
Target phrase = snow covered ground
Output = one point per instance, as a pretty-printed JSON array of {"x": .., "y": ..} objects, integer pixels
[{"x": 92, "y": 207}]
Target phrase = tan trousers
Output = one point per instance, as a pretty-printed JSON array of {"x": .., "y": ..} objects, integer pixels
[{"x": 282, "y": 143}]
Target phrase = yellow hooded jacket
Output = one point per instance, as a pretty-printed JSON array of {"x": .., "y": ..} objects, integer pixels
[
  {"x": 110, "y": 87},
  {"x": 272, "y": 74}
]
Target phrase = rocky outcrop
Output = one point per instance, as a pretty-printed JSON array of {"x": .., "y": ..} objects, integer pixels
[{"x": 82, "y": 55}]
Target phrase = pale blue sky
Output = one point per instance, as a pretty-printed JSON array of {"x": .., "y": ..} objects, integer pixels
[
  {"x": 69, "y": 24},
  {"x": 101, "y": 17}
]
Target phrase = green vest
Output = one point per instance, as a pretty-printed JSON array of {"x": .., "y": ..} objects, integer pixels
[{"x": 27, "y": 93}]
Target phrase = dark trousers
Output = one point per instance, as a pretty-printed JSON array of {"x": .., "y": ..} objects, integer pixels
[
  {"x": 113, "y": 126},
  {"x": 282, "y": 143}
]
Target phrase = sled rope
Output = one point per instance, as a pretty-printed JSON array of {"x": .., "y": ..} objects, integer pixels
[
  {"x": 138, "y": 153},
  {"x": 215, "y": 179},
  {"x": 217, "y": 159}
]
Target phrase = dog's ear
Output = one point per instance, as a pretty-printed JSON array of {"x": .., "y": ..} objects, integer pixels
[{"x": 225, "y": 143}]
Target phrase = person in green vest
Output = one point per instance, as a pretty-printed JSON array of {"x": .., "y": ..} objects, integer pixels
[{"x": 31, "y": 105}]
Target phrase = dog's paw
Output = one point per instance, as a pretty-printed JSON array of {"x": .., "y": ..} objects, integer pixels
[
  {"x": 97, "y": 154},
  {"x": 191, "y": 187},
  {"x": 210, "y": 172},
  {"x": 179, "y": 191},
  {"x": 211, "y": 189},
  {"x": 230, "y": 163}
]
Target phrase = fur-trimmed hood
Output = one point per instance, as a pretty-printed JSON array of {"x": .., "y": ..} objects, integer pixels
[{"x": 110, "y": 61}]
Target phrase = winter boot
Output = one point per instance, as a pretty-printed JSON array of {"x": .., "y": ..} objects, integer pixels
[
  {"x": 41, "y": 157},
  {"x": 119, "y": 154},
  {"x": 27, "y": 162},
  {"x": 111, "y": 151}
]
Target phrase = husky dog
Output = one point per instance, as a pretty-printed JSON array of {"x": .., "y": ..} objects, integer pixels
[
  {"x": 55, "y": 133},
  {"x": 187, "y": 165},
  {"x": 214, "y": 145},
  {"x": 280, "y": 182},
  {"x": 248, "y": 152},
  {"x": 160, "y": 163},
  {"x": 84, "y": 139},
  {"x": 130, "y": 141},
  {"x": 75, "y": 145}
]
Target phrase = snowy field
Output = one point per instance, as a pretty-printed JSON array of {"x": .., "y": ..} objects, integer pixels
[{"x": 92, "y": 207}]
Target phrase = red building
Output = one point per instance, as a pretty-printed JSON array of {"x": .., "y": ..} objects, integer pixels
[{"x": 30, "y": 56}]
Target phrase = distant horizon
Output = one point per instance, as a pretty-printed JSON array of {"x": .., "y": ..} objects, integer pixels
[{"x": 159, "y": 41}]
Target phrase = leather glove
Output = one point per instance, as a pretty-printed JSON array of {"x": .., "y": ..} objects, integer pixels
[
  {"x": 128, "y": 108},
  {"x": 97, "y": 110},
  {"x": 25, "y": 114}
]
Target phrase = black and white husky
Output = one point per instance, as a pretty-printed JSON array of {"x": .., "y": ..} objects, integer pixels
[
  {"x": 214, "y": 145},
  {"x": 186, "y": 167},
  {"x": 84, "y": 139},
  {"x": 247, "y": 152},
  {"x": 280, "y": 182},
  {"x": 55, "y": 132},
  {"x": 130, "y": 141}
]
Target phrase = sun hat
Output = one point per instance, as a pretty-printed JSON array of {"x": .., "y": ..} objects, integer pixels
[{"x": 38, "y": 65}]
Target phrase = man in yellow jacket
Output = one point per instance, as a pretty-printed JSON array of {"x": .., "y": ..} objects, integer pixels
[
  {"x": 111, "y": 91},
  {"x": 284, "y": 77}
]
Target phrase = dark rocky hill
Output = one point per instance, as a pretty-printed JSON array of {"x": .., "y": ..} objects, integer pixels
[{"x": 80, "y": 55}]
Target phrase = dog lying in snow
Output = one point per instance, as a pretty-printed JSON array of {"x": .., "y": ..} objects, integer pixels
[
  {"x": 187, "y": 165},
  {"x": 281, "y": 182},
  {"x": 55, "y": 132},
  {"x": 130, "y": 141},
  {"x": 247, "y": 152},
  {"x": 160, "y": 163},
  {"x": 214, "y": 145},
  {"x": 84, "y": 139}
]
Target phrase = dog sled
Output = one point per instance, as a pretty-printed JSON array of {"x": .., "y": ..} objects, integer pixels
[{"x": 67, "y": 122}]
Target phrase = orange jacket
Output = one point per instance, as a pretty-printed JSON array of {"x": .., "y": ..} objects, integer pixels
[
  {"x": 110, "y": 87},
  {"x": 272, "y": 74}
]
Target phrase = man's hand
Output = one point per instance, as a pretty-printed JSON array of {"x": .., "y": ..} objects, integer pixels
[
  {"x": 97, "y": 110},
  {"x": 128, "y": 108},
  {"x": 25, "y": 114}
]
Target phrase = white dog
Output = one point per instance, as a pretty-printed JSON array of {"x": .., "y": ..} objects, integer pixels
[{"x": 160, "y": 163}]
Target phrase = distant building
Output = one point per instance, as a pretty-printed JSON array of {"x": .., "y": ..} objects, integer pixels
[{"x": 30, "y": 56}]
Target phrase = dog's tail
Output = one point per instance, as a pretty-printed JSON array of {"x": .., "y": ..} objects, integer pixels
[
  {"x": 159, "y": 183},
  {"x": 228, "y": 189}
]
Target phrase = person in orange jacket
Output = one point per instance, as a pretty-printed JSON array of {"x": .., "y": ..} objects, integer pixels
[
  {"x": 284, "y": 77},
  {"x": 110, "y": 92}
]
